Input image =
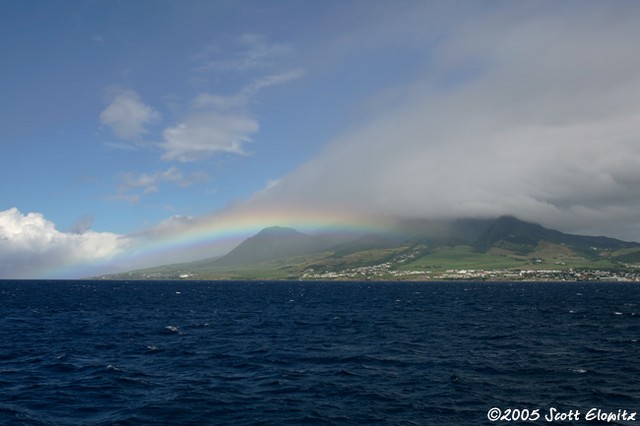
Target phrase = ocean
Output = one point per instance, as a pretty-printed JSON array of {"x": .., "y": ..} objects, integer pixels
[{"x": 321, "y": 353}]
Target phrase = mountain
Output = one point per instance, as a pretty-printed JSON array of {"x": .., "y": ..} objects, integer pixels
[
  {"x": 444, "y": 232},
  {"x": 417, "y": 249},
  {"x": 272, "y": 243},
  {"x": 368, "y": 242},
  {"x": 523, "y": 237}
]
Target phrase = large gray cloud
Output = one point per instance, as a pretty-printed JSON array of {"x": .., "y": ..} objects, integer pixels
[{"x": 544, "y": 125}]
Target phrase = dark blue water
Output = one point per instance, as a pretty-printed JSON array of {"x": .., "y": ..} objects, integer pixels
[{"x": 190, "y": 353}]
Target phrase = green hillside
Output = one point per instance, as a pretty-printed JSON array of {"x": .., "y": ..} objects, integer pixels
[{"x": 503, "y": 248}]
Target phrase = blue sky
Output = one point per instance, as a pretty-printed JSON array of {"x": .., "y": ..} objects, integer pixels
[
  {"x": 122, "y": 120},
  {"x": 68, "y": 61}
]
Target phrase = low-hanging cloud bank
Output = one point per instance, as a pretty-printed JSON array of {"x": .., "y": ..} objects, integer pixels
[{"x": 544, "y": 125}]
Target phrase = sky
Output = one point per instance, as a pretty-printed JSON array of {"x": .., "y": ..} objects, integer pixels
[{"x": 135, "y": 134}]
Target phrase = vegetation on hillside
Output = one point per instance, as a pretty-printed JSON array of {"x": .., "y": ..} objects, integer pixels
[{"x": 488, "y": 249}]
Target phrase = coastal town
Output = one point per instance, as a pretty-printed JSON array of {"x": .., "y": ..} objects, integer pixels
[
  {"x": 384, "y": 271},
  {"x": 393, "y": 270}
]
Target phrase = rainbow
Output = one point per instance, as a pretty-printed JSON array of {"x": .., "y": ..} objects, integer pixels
[
  {"x": 210, "y": 236},
  {"x": 225, "y": 229}
]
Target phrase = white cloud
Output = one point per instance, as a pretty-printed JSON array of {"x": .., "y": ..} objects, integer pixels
[
  {"x": 219, "y": 124},
  {"x": 219, "y": 102},
  {"x": 241, "y": 100},
  {"x": 206, "y": 133},
  {"x": 32, "y": 247},
  {"x": 133, "y": 187},
  {"x": 174, "y": 224},
  {"x": 271, "y": 80},
  {"x": 248, "y": 52},
  {"x": 127, "y": 115}
]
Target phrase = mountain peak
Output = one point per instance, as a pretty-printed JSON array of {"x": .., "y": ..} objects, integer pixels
[
  {"x": 270, "y": 243},
  {"x": 278, "y": 231}
]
